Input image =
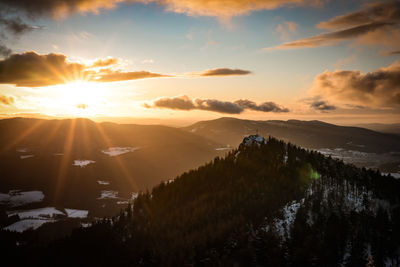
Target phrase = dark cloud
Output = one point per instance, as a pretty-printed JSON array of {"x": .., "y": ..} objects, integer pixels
[
  {"x": 237, "y": 107},
  {"x": 375, "y": 24},
  {"x": 264, "y": 107},
  {"x": 376, "y": 89},
  {"x": 15, "y": 25},
  {"x": 224, "y": 72},
  {"x": 5, "y": 51},
  {"x": 34, "y": 70},
  {"x": 322, "y": 105},
  {"x": 6, "y": 100},
  {"x": 114, "y": 76}
]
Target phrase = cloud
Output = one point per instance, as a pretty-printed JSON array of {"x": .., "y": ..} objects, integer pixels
[
  {"x": 223, "y": 9},
  {"x": 104, "y": 62},
  {"x": 376, "y": 24},
  {"x": 15, "y": 25},
  {"x": 264, "y": 107},
  {"x": 322, "y": 105},
  {"x": 115, "y": 76},
  {"x": 286, "y": 28},
  {"x": 6, "y": 100},
  {"x": 376, "y": 89},
  {"x": 237, "y": 107},
  {"x": 331, "y": 38},
  {"x": 34, "y": 70},
  {"x": 4, "y": 50},
  {"x": 224, "y": 72}
]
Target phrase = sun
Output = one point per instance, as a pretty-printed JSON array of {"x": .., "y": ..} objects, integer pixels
[{"x": 80, "y": 98}]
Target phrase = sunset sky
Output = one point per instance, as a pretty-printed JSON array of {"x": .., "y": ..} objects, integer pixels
[{"x": 337, "y": 61}]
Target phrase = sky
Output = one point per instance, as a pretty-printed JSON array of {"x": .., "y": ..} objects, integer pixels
[{"x": 181, "y": 60}]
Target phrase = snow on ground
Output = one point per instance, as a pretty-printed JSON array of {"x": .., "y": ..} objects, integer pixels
[
  {"x": 107, "y": 194},
  {"x": 24, "y": 225},
  {"x": 122, "y": 202},
  {"x": 73, "y": 213},
  {"x": 253, "y": 139},
  {"x": 223, "y": 148},
  {"x": 22, "y": 150},
  {"x": 83, "y": 163},
  {"x": 42, "y": 213},
  {"x": 134, "y": 195},
  {"x": 16, "y": 198},
  {"x": 103, "y": 182},
  {"x": 26, "y": 156},
  {"x": 393, "y": 174},
  {"x": 116, "y": 151},
  {"x": 289, "y": 215},
  {"x": 86, "y": 225}
]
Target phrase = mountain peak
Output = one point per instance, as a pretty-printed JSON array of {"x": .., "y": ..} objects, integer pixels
[{"x": 253, "y": 139}]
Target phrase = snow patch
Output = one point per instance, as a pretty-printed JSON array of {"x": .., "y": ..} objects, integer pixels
[
  {"x": 116, "y": 151},
  {"x": 83, "y": 163},
  {"x": 103, "y": 182},
  {"x": 24, "y": 225},
  {"x": 42, "y": 213},
  {"x": 73, "y": 213},
  {"x": 108, "y": 194},
  {"x": 26, "y": 156}
]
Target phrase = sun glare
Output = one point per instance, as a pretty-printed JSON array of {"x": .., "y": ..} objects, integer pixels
[{"x": 80, "y": 98}]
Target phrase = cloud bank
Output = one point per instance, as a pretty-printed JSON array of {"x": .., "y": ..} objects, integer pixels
[
  {"x": 375, "y": 24},
  {"x": 237, "y": 107},
  {"x": 376, "y": 89},
  {"x": 35, "y": 70},
  {"x": 223, "y": 9}
]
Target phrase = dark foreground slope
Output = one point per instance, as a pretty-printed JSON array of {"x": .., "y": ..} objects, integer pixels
[{"x": 265, "y": 204}]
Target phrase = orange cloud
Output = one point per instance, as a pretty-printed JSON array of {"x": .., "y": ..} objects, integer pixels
[
  {"x": 34, "y": 70},
  {"x": 374, "y": 24},
  {"x": 376, "y": 89},
  {"x": 223, "y": 8}
]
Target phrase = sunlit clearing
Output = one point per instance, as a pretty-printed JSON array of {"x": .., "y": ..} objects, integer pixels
[{"x": 83, "y": 99}]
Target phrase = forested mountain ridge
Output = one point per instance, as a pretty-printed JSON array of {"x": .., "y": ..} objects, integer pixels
[{"x": 267, "y": 203}]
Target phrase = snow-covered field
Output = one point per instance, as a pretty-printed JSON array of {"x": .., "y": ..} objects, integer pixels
[
  {"x": 107, "y": 194},
  {"x": 223, "y": 148},
  {"x": 83, "y": 163},
  {"x": 372, "y": 160},
  {"x": 41, "y": 213},
  {"x": 24, "y": 225},
  {"x": 26, "y": 156},
  {"x": 16, "y": 198},
  {"x": 116, "y": 151},
  {"x": 73, "y": 213},
  {"x": 103, "y": 182}
]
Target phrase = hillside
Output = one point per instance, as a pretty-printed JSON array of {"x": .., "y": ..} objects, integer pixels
[
  {"x": 309, "y": 134},
  {"x": 267, "y": 203},
  {"x": 86, "y": 165}
]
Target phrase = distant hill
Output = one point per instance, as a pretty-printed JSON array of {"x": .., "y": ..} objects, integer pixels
[
  {"x": 40, "y": 154},
  {"x": 381, "y": 127},
  {"x": 309, "y": 134},
  {"x": 267, "y": 203}
]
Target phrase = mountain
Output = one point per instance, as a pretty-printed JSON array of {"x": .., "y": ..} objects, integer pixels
[
  {"x": 267, "y": 203},
  {"x": 381, "y": 127},
  {"x": 81, "y": 164},
  {"x": 309, "y": 134}
]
